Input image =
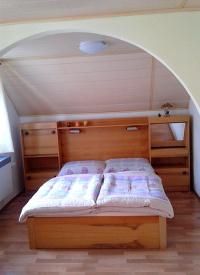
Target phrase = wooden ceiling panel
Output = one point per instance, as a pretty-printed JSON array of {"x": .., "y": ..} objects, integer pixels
[
  {"x": 90, "y": 84},
  {"x": 192, "y": 4}
]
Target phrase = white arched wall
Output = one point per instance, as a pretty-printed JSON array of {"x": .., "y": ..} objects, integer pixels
[{"x": 172, "y": 38}]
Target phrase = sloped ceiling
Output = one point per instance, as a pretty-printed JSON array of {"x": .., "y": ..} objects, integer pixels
[
  {"x": 66, "y": 45},
  {"x": 23, "y": 10},
  {"x": 50, "y": 76}
]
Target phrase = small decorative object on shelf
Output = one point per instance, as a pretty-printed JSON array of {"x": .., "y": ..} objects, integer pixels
[
  {"x": 68, "y": 123},
  {"x": 77, "y": 123},
  {"x": 166, "y": 107},
  {"x": 85, "y": 123}
]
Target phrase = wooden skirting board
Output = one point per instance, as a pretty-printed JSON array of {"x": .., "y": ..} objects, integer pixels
[{"x": 97, "y": 232}]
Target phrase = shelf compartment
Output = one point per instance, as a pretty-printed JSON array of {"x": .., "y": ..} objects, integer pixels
[
  {"x": 174, "y": 179},
  {"x": 42, "y": 163},
  {"x": 177, "y": 162},
  {"x": 169, "y": 152},
  {"x": 36, "y": 178}
]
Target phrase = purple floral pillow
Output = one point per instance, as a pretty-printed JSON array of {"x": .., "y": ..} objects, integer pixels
[
  {"x": 82, "y": 167},
  {"x": 127, "y": 164}
]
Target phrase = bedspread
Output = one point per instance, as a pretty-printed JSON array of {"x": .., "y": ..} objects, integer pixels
[
  {"x": 127, "y": 190},
  {"x": 67, "y": 194}
]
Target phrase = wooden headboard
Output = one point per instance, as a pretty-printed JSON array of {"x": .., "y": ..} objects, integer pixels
[{"x": 103, "y": 139}]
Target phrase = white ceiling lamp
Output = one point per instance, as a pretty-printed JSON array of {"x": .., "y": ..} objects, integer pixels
[{"x": 92, "y": 47}]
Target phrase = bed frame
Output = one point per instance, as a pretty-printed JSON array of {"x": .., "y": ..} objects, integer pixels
[
  {"x": 101, "y": 139},
  {"x": 97, "y": 232}
]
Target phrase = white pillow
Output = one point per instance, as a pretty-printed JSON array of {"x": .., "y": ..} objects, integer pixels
[
  {"x": 127, "y": 164},
  {"x": 82, "y": 167}
]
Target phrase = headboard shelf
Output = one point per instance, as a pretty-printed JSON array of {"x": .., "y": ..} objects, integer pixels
[
  {"x": 101, "y": 126},
  {"x": 103, "y": 123}
]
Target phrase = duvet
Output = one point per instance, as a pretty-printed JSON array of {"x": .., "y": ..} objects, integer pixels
[
  {"x": 66, "y": 196},
  {"x": 130, "y": 193},
  {"x": 125, "y": 191}
]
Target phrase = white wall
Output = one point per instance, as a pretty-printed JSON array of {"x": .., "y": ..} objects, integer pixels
[
  {"x": 6, "y": 184},
  {"x": 16, "y": 160},
  {"x": 37, "y": 118},
  {"x": 195, "y": 133}
]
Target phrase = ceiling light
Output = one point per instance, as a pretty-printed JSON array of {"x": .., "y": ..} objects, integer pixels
[{"x": 92, "y": 47}]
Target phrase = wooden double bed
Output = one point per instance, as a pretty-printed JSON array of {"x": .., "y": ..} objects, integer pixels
[{"x": 103, "y": 140}]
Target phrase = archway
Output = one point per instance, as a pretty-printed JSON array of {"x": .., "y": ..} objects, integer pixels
[{"x": 158, "y": 34}]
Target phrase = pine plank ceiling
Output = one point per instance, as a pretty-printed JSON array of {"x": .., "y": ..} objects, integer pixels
[
  {"x": 50, "y": 75},
  {"x": 23, "y": 10}
]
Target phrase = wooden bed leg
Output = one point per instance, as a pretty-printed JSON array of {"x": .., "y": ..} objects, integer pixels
[
  {"x": 163, "y": 232},
  {"x": 31, "y": 233}
]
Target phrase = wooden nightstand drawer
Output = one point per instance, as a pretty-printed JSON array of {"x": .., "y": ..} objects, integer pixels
[
  {"x": 174, "y": 179},
  {"x": 35, "y": 179}
]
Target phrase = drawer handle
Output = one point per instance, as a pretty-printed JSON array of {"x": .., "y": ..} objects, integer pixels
[
  {"x": 28, "y": 177},
  {"x": 184, "y": 172},
  {"x": 26, "y": 133},
  {"x": 53, "y": 132}
]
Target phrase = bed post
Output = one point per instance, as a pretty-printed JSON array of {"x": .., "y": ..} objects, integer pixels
[{"x": 163, "y": 232}]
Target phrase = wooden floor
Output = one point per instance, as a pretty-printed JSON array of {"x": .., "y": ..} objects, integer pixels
[{"x": 181, "y": 258}]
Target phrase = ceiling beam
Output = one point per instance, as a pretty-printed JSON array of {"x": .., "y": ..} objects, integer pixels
[
  {"x": 152, "y": 84},
  {"x": 182, "y": 8}
]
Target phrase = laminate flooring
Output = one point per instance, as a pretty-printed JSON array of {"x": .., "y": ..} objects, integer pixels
[{"x": 182, "y": 257}]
